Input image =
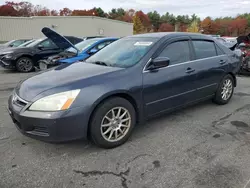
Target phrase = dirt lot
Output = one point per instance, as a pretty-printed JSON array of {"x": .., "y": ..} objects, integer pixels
[{"x": 204, "y": 146}]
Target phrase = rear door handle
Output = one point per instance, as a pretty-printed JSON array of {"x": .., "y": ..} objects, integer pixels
[
  {"x": 222, "y": 62},
  {"x": 190, "y": 70}
]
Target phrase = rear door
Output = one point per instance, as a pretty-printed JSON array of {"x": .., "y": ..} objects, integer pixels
[
  {"x": 211, "y": 66},
  {"x": 172, "y": 86}
]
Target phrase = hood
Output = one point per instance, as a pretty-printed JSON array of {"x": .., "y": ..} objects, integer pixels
[
  {"x": 15, "y": 50},
  {"x": 3, "y": 47},
  {"x": 69, "y": 76},
  {"x": 58, "y": 39},
  {"x": 243, "y": 38},
  {"x": 240, "y": 39}
]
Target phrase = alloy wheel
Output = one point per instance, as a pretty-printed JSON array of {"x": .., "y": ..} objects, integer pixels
[
  {"x": 227, "y": 89},
  {"x": 25, "y": 65},
  {"x": 115, "y": 124}
]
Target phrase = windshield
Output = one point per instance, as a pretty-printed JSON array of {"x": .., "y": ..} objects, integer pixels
[
  {"x": 8, "y": 43},
  {"x": 35, "y": 43},
  {"x": 123, "y": 53},
  {"x": 27, "y": 43},
  {"x": 83, "y": 45}
]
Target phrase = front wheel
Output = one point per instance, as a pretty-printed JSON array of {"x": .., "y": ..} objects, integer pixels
[
  {"x": 112, "y": 123},
  {"x": 24, "y": 64},
  {"x": 225, "y": 90}
]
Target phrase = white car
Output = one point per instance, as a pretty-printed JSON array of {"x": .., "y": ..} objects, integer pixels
[{"x": 231, "y": 39}]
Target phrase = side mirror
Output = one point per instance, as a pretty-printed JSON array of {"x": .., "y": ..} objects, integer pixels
[
  {"x": 11, "y": 45},
  {"x": 40, "y": 47},
  {"x": 159, "y": 62},
  {"x": 92, "y": 51}
]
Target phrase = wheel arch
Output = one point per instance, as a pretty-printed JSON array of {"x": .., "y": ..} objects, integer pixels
[
  {"x": 24, "y": 55},
  {"x": 121, "y": 94}
]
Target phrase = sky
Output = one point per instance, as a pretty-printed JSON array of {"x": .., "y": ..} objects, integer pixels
[{"x": 202, "y": 8}]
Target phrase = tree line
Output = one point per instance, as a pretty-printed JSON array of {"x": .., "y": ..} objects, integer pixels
[{"x": 143, "y": 22}]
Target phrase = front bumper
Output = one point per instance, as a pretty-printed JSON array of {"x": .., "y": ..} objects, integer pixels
[
  {"x": 7, "y": 63},
  {"x": 49, "y": 126}
]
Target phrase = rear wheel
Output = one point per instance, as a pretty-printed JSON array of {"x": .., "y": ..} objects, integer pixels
[
  {"x": 225, "y": 90},
  {"x": 112, "y": 123},
  {"x": 24, "y": 64}
]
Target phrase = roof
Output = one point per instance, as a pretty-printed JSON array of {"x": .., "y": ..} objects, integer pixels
[{"x": 170, "y": 34}]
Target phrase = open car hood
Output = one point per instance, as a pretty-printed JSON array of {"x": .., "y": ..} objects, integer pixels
[
  {"x": 58, "y": 39},
  {"x": 241, "y": 39}
]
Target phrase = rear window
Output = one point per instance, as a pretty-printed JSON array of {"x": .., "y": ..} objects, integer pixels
[{"x": 204, "y": 49}]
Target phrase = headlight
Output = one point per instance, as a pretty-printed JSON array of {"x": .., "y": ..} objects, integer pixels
[
  {"x": 5, "y": 53},
  {"x": 56, "y": 102},
  {"x": 10, "y": 55}
]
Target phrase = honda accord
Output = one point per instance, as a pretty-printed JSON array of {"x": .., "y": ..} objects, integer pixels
[{"x": 126, "y": 83}]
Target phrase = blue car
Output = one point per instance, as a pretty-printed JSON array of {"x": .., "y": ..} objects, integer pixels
[{"x": 74, "y": 53}]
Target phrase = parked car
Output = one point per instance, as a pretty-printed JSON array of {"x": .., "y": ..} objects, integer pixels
[
  {"x": 129, "y": 81},
  {"x": 225, "y": 42},
  {"x": 13, "y": 43},
  {"x": 78, "y": 52},
  {"x": 243, "y": 43},
  {"x": 231, "y": 39},
  {"x": 21, "y": 46},
  {"x": 24, "y": 59},
  {"x": 92, "y": 37}
]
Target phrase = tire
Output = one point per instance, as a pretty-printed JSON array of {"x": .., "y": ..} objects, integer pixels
[
  {"x": 223, "y": 96},
  {"x": 120, "y": 129},
  {"x": 24, "y": 64}
]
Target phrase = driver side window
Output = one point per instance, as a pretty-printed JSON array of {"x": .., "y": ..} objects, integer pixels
[
  {"x": 177, "y": 52},
  {"x": 48, "y": 44}
]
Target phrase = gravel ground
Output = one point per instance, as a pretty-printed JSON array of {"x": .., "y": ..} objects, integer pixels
[{"x": 204, "y": 146}]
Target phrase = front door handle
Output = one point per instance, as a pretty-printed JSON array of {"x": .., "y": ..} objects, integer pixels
[
  {"x": 190, "y": 70},
  {"x": 222, "y": 62}
]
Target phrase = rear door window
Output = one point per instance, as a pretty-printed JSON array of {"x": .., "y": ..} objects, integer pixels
[
  {"x": 204, "y": 49},
  {"x": 177, "y": 52}
]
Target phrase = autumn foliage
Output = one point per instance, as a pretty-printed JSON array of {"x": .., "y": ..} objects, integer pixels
[{"x": 150, "y": 22}]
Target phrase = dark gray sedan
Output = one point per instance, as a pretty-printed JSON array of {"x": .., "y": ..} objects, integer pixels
[{"x": 130, "y": 81}]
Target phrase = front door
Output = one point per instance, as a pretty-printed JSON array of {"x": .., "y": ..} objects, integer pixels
[
  {"x": 46, "y": 49},
  {"x": 174, "y": 85}
]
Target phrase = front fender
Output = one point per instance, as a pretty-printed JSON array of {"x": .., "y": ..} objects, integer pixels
[{"x": 17, "y": 56}]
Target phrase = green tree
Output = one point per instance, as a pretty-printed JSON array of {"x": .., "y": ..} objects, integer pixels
[
  {"x": 155, "y": 19},
  {"x": 168, "y": 18},
  {"x": 117, "y": 14},
  {"x": 100, "y": 12},
  {"x": 138, "y": 27}
]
